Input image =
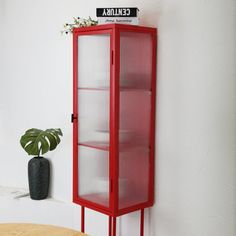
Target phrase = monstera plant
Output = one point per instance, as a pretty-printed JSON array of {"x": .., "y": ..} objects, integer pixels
[{"x": 37, "y": 142}]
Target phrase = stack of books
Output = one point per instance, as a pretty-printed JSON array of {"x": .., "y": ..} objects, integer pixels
[{"x": 123, "y": 15}]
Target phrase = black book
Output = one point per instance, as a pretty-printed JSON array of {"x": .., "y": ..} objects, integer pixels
[{"x": 117, "y": 12}]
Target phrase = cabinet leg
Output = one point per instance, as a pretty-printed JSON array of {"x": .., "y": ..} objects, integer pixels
[
  {"x": 142, "y": 223},
  {"x": 110, "y": 226},
  {"x": 82, "y": 219},
  {"x": 114, "y": 226}
]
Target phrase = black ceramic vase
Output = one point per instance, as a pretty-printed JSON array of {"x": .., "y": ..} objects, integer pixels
[{"x": 38, "y": 176}]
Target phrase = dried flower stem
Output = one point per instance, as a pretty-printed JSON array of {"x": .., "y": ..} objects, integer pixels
[{"x": 78, "y": 23}]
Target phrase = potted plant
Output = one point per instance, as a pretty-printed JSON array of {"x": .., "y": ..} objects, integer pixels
[{"x": 37, "y": 142}]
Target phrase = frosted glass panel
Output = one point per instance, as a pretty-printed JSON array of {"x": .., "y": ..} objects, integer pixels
[
  {"x": 133, "y": 177},
  {"x": 135, "y": 60},
  {"x": 134, "y": 125},
  {"x": 93, "y": 113},
  {"x": 94, "y": 61},
  {"x": 94, "y": 175},
  {"x": 135, "y": 109}
]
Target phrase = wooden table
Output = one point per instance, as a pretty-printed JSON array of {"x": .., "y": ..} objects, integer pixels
[{"x": 36, "y": 230}]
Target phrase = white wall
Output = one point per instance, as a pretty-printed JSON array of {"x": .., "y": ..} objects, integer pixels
[{"x": 196, "y": 110}]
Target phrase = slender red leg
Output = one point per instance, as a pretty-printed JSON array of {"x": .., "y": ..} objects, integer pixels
[
  {"x": 82, "y": 219},
  {"x": 114, "y": 226},
  {"x": 142, "y": 223},
  {"x": 109, "y": 227}
]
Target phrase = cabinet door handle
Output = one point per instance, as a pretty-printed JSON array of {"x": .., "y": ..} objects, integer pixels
[{"x": 73, "y": 117}]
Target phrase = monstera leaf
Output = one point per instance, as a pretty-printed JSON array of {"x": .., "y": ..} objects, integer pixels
[{"x": 37, "y": 141}]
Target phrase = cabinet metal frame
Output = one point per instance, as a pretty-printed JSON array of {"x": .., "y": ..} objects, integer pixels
[{"x": 114, "y": 31}]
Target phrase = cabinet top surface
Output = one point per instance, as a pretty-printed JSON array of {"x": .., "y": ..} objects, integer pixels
[{"x": 116, "y": 26}]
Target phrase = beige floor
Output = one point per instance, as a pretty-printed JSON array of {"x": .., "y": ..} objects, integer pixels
[{"x": 36, "y": 230}]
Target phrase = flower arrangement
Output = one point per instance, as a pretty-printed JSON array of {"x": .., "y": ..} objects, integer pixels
[{"x": 78, "y": 22}]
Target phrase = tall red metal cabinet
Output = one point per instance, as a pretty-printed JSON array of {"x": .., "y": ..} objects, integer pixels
[{"x": 114, "y": 120}]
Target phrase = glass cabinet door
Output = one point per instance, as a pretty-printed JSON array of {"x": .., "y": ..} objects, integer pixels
[
  {"x": 134, "y": 123},
  {"x": 94, "y": 61},
  {"x": 93, "y": 117}
]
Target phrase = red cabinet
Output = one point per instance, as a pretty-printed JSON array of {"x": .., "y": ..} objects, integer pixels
[{"x": 114, "y": 70}]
